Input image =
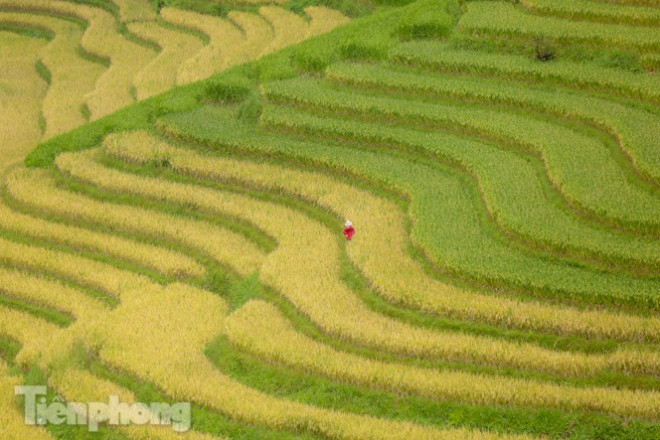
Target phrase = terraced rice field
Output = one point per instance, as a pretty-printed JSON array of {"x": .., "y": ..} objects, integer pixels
[{"x": 499, "y": 160}]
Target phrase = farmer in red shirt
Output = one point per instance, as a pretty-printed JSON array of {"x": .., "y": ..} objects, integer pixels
[{"x": 349, "y": 230}]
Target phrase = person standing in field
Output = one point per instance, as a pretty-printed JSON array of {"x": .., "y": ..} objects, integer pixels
[{"x": 349, "y": 230}]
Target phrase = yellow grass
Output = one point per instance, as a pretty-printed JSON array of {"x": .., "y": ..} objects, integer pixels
[
  {"x": 35, "y": 189},
  {"x": 71, "y": 76},
  {"x": 160, "y": 74},
  {"x": 21, "y": 93},
  {"x": 382, "y": 232},
  {"x": 315, "y": 287},
  {"x": 261, "y": 329},
  {"x": 11, "y": 419},
  {"x": 165, "y": 261}
]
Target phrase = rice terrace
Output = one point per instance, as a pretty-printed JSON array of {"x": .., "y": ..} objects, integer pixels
[{"x": 330, "y": 219}]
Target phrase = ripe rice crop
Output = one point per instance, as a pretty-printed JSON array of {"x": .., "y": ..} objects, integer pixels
[
  {"x": 498, "y": 173},
  {"x": 71, "y": 76},
  {"x": 160, "y": 74},
  {"x": 258, "y": 327},
  {"x": 288, "y": 28},
  {"x": 37, "y": 191},
  {"x": 174, "y": 361},
  {"x": 323, "y": 20},
  {"x": 34, "y": 334},
  {"x": 162, "y": 260},
  {"x": 21, "y": 92},
  {"x": 113, "y": 88},
  {"x": 141, "y": 148},
  {"x": 223, "y": 36},
  {"x": 87, "y": 272},
  {"x": 10, "y": 418},
  {"x": 339, "y": 310},
  {"x": 48, "y": 293}
]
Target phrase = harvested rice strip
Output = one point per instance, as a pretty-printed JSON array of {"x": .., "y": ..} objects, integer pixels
[
  {"x": 165, "y": 261},
  {"x": 160, "y": 74},
  {"x": 35, "y": 189},
  {"x": 259, "y": 328}
]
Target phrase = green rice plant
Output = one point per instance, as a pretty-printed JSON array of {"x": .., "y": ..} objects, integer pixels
[
  {"x": 597, "y": 11},
  {"x": 633, "y": 129},
  {"x": 504, "y": 19},
  {"x": 160, "y": 74},
  {"x": 402, "y": 282},
  {"x": 438, "y": 57},
  {"x": 436, "y": 198},
  {"x": 258, "y": 327},
  {"x": 36, "y": 190},
  {"x": 165, "y": 261},
  {"x": 588, "y": 177}
]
